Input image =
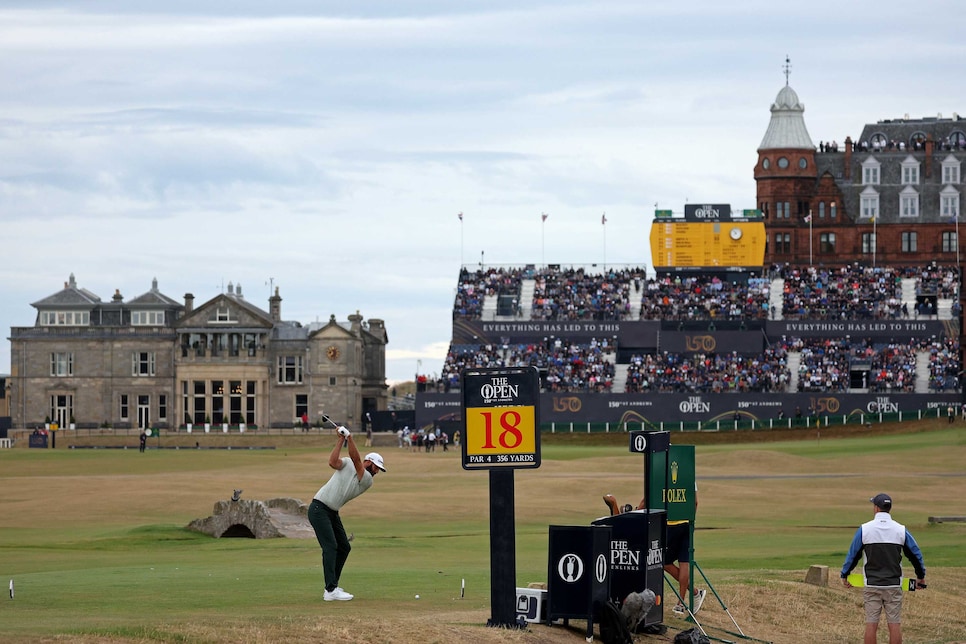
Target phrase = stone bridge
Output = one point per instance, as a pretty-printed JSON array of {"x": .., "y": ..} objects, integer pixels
[{"x": 281, "y": 517}]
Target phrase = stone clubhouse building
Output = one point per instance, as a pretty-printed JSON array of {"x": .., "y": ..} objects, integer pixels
[{"x": 152, "y": 361}]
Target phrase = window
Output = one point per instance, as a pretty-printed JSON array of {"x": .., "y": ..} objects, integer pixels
[
  {"x": 958, "y": 139},
  {"x": 910, "y": 242},
  {"x": 250, "y": 402},
  {"x": 870, "y": 172},
  {"x": 65, "y": 318},
  {"x": 918, "y": 140},
  {"x": 803, "y": 163},
  {"x": 142, "y": 363},
  {"x": 869, "y": 204},
  {"x": 821, "y": 210},
  {"x": 162, "y": 407},
  {"x": 879, "y": 141},
  {"x": 124, "y": 407},
  {"x": 782, "y": 162},
  {"x": 301, "y": 405},
  {"x": 832, "y": 211},
  {"x": 950, "y": 170},
  {"x": 223, "y": 314},
  {"x": 910, "y": 172},
  {"x": 62, "y": 364},
  {"x": 826, "y": 243},
  {"x": 289, "y": 370},
  {"x": 949, "y": 242},
  {"x": 909, "y": 203},
  {"x": 868, "y": 243},
  {"x": 949, "y": 202},
  {"x": 783, "y": 243},
  {"x": 147, "y": 318}
]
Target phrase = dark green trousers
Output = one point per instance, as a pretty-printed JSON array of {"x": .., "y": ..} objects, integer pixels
[{"x": 332, "y": 537}]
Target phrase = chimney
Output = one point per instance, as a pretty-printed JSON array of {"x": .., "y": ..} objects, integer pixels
[
  {"x": 231, "y": 288},
  {"x": 117, "y": 296},
  {"x": 930, "y": 147},
  {"x": 275, "y": 306},
  {"x": 238, "y": 290},
  {"x": 377, "y": 328},
  {"x": 189, "y": 303},
  {"x": 355, "y": 323},
  {"x": 848, "y": 158}
]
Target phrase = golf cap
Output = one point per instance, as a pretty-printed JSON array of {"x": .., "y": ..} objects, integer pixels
[
  {"x": 883, "y": 501},
  {"x": 375, "y": 459}
]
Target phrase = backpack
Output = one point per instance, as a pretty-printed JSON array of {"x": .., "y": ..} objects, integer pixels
[
  {"x": 691, "y": 636},
  {"x": 613, "y": 626}
]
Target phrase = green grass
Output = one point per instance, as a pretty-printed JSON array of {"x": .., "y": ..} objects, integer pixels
[{"x": 96, "y": 541}]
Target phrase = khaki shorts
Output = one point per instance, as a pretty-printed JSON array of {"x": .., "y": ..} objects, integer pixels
[{"x": 879, "y": 599}]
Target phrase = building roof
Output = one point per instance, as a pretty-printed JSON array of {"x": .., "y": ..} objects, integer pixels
[
  {"x": 154, "y": 298},
  {"x": 786, "y": 129},
  {"x": 71, "y": 296}
]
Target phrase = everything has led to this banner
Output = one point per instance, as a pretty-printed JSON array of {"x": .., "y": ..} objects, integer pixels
[{"x": 500, "y": 413}]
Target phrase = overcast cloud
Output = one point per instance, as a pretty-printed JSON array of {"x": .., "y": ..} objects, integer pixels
[{"x": 326, "y": 147}]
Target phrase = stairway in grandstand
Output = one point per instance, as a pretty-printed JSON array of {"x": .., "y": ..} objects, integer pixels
[
  {"x": 793, "y": 361},
  {"x": 620, "y": 378},
  {"x": 776, "y": 296},
  {"x": 922, "y": 372},
  {"x": 526, "y": 297},
  {"x": 489, "y": 308},
  {"x": 908, "y": 296}
]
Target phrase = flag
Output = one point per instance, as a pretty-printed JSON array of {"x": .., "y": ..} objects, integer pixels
[
  {"x": 603, "y": 219},
  {"x": 460, "y": 216},
  {"x": 543, "y": 216},
  {"x": 808, "y": 217}
]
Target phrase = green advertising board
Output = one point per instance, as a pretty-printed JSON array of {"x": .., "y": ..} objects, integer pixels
[{"x": 680, "y": 486}]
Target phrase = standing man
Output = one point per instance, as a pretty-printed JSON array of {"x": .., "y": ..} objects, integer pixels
[
  {"x": 353, "y": 475},
  {"x": 883, "y": 542},
  {"x": 677, "y": 558},
  {"x": 143, "y": 441}
]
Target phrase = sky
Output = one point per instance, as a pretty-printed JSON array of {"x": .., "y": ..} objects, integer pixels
[{"x": 326, "y": 148}]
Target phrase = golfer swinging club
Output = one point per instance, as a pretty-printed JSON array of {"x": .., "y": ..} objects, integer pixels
[{"x": 352, "y": 477}]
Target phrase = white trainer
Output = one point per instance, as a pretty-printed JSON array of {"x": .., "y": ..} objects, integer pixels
[
  {"x": 698, "y": 600},
  {"x": 336, "y": 595}
]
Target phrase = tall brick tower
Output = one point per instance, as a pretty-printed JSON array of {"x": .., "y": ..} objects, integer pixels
[{"x": 786, "y": 176}]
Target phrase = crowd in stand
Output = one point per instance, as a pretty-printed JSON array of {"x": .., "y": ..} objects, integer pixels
[
  {"x": 573, "y": 294},
  {"x": 703, "y": 297},
  {"x": 810, "y": 292},
  {"x": 944, "y": 364},
  {"x": 565, "y": 365},
  {"x": 475, "y": 286},
  {"x": 708, "y": 372},
  {"x": 845, "y": 293}
]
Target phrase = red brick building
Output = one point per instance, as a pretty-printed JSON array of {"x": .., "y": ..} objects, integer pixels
[{"x": 892, "y": 196}]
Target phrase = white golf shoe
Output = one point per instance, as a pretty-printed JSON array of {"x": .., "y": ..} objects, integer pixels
[{"x": 336, "y": 595}]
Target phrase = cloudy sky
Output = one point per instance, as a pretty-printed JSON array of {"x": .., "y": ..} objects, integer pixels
[{"x": 326, "y": 147}]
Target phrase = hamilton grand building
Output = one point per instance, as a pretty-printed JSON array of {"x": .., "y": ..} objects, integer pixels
[
  {"x": 890, "y": 196},
  {"x": 152, "y": 361}
]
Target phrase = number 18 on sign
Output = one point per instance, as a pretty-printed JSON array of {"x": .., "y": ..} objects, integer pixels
[{"x": 500, "y": 409}]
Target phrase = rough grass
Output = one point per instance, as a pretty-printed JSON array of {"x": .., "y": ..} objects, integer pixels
[{"x": 95, "y": 539}]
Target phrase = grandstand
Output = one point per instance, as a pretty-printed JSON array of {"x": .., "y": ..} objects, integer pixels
[{"x": 619, "y": 345}]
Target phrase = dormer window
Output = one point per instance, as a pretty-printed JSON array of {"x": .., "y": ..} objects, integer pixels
[
  {"x": 951, "y": 170},
  {"x": 65, "y": 318},
  {"x": 223, "y": 314},
  {"x": 949, "y": 202},
  {"x": 910, "y": 172},
  {"x": 870, "y": 172},
  {"x": 909, "y": 202},
  {"x": 869, "y": 204},
  {"x": 147, "y": 318}
]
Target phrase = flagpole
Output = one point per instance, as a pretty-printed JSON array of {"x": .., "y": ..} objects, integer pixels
[
  {"x": 543, "y": 237},
  {"x": 461, "y": 239},
  {"x": 809, "y": 237},
  {"x": 603, "y": 222},
  {"x": 875, "y": 241}
]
